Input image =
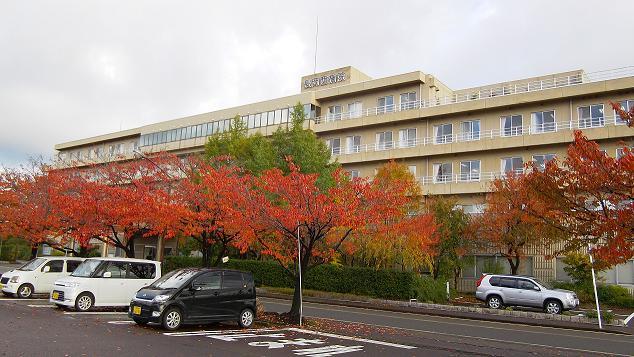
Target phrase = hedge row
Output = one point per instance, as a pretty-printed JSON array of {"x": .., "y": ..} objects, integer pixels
[
  {"x": 387, "y": 284},
  {"x": 613, "y": 295}
]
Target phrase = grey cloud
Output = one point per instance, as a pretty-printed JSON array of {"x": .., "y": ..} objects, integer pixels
[{"x": 72, "y": 69}]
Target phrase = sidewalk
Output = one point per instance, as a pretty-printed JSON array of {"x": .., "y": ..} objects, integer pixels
[{"x": 473, "y": 313}]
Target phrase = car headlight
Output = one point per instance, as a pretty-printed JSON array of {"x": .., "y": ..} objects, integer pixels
[
  {"x": 161, "y": 298},
  {"x": 570, "y": 297},
  {"x": 15, "y": 279}
]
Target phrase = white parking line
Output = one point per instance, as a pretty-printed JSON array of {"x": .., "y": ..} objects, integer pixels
[
  {"x": 49, "y": 306},
  {"x": 18, "y": 299},
  {"x": 351, "y": 338},
  {"x": 121, "y": 322},
  {"x": 96, "y": 313}
]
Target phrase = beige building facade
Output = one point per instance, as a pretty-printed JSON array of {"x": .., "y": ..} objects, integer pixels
[{"x": 455, "y": 142}]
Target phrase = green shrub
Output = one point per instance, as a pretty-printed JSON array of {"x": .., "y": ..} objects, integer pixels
[
  {"x": 606, "y": 316},
  {"x": 386, "y": 284},
  {"x": 15, "y": 249},
  {"x": 612, "y": 295}
]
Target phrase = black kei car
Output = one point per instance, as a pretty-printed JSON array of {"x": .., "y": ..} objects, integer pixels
[{"x": 196, "y": 295}]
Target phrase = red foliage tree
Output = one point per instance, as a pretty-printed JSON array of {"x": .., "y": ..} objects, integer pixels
[
  {"x": 589, "y": 196},
  {"x": 505, "y": 223},
  {"x": 285, "y": 206},
  {"x": 212, "y": 203}
]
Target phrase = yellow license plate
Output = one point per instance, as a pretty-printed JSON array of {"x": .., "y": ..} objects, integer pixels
[
  {"x": 55, "y": 295},
  {"x": 136, "y": 310}
]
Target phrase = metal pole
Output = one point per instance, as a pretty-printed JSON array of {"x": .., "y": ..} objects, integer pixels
[
  {"x": 299, "y": 267},
  {"x": 594, "y": 284}
]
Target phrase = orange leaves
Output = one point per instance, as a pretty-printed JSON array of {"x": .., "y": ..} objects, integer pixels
[
  {"x": 589, "y": 195},
  {"x": 626, "y": 116}
]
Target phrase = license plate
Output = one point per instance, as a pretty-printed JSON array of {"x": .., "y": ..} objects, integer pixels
[
  {"x": 55, "y": 295},
  {"x": 136, "y": 310}
]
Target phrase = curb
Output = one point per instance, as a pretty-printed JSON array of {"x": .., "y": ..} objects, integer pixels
[{"x": 494, "y": 317}]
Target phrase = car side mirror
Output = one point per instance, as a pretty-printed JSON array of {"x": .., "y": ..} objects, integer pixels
[
  {"x": 107, "y": 275},
  {"x": 195, "y": 287},
  {"x": 47, "y": 269},
  {"x": 536, "y": 288}
]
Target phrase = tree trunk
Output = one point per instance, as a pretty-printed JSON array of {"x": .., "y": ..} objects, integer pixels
[
  {"x": 34, "y": 249},
  {"x": 514, "y": 262}
]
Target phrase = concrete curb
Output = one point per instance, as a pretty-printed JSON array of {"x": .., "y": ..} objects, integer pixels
[{"x": 465, "y": 312}]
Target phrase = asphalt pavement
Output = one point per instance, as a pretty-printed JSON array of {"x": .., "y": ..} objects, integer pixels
[{"x": 36, "y": 328}]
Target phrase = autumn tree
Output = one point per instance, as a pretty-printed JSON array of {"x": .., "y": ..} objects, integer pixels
[
  {"x": 590, "y": 197},
  {"x": 292, "y": 209},
  {"x": 210, "y": 197},
  {"x": 505, "y": 223},
  {"x": 405, "y": 236},
  {"x": 451, "y": 242}
]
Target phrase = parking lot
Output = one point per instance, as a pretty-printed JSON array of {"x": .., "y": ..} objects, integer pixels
[{"x": 36, "y": 328}]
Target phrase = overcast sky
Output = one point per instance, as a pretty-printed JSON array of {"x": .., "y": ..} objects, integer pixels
[{"x": 74, "y": 69}]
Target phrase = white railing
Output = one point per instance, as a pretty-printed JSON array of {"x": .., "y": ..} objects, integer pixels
[
  {"x": 509, "y": 89},
  {"x": 464, "y": 177},
  {"x": 484, "y": 134}
]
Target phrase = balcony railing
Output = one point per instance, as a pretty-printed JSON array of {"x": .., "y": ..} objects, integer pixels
[
  {"x": 509, "y": 89},
  {"x": 484, "y": 134},
  {"x": 464, "y": 177}
]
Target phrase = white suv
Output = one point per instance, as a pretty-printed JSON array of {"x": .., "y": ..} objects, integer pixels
[
  {"x": 500, "y": 290},
  {"x": 104, "y": 282},
  {"x": 37, "y": 276}
]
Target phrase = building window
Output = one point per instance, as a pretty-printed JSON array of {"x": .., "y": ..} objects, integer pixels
[
  {"x": 515, "y": 164},
  {"x": 541, "y": 160},
  {"x": 353, "y": 144},
  {"x": 470, "y": 130},
  {"x": 355, "y": 109},
  {"x": 511, "y": 125},
  {"x": 470, "y": 170},
  {"x": 334, "y": 113},
  {"x": 620, "y": 152},
  {"x": 443, "y": 133},
  {"x": 408, "y": 101},
  {"x": 626, "y": 105},
  {"x": 384, "y": 140},
  {"x": 591, "y": 116},
  {"x": 481, "y": 264},
  {"x": 472, "y": 209},
  {"x": 543, "y": 122},
  {"x": 443, "y": 172},
  {"x": 285, "y": 115},
  {"x": 412, "y": 169},
  {"x": 334, "y": 145},
  {"x": 385, "y": 104},
  {"x": 407, "y": 138},
  {"x": 354, "y": 174}
]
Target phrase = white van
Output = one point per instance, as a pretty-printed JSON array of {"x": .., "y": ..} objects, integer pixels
[
  {"x": 37, "y": 276},
  {"x": 104, "y": 282}
]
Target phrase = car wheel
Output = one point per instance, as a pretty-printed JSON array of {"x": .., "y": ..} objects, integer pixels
[
  {"x": 172, "y": 319},
  {"x": 84, "y": 302},
  {"x": 553, "y": 307},
  {"x": 25, "y": 291},
  {"x": 494, "y": 302},
  {"x": 246, "y": 318},
  {"x": 140, "y": 322}
]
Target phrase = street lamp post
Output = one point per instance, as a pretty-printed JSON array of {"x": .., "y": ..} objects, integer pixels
[
  {"x": 594, "y": 284},
  {"x": 299, "y": 267}
]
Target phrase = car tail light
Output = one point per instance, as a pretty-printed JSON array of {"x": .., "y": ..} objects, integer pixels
[{"x": 480, "y": 280}]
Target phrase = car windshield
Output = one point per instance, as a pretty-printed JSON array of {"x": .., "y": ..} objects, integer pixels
[
  {"x": 87, "y": 268},
  {"x": 546, "y": 285},
  {"x": 32, "y": 265},
  {"x": 174, "y": 279}
]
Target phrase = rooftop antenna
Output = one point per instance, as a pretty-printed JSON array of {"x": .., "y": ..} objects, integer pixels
[{"x": 316, "y": 34}]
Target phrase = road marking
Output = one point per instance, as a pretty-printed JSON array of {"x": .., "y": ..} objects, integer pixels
[
  {"x": 121, "y": 322},
  {"x": 487, "y": 339},
  {"x": 479, "y": 324},
  {"x": 95, "y": 313},
  {"x": 19, "y": 299},
  {"x": 325, "y": 334},
  {"x": 627, "y": 320},
  {"x": 49, "y": 306}
]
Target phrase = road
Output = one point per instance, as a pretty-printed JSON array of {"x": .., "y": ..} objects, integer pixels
[
  {"x": 35, "y": 328},
  {"x": 462, "y": 334}
]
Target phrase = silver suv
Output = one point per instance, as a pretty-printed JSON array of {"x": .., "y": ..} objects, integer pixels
[{"x": 500, "y": 290}]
